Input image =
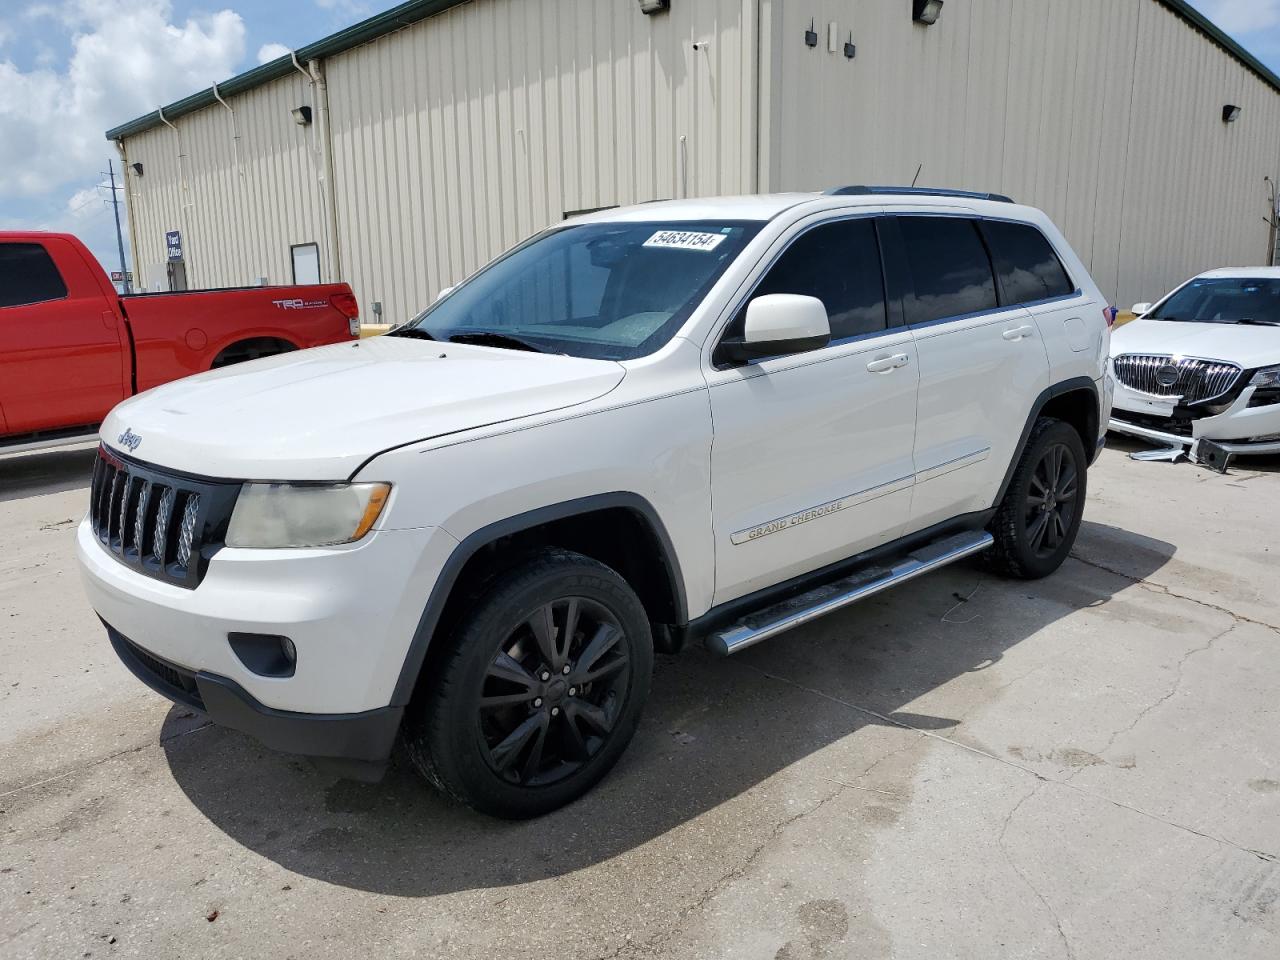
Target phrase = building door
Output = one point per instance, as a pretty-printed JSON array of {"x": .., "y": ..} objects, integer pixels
[
  {"x": 176, "y": 275},
  {"x": 306, "y": 263}
]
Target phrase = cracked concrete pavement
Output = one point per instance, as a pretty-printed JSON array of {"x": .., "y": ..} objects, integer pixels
[{"x": 1084, "y": 767}]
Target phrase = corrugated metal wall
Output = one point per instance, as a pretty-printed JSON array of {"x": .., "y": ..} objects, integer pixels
[
  {"x": 461, "y": 134},
  {"x": 237, "y": 224},
  {"x": 1106, "y": 113},
  {"x": 455, "y": 138}
]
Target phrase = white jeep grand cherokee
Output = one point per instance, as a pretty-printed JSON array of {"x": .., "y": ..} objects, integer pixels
[{"x": 705, "y": 419}]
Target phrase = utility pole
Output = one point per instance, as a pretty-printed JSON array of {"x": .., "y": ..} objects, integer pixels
[{"x": 115, "y": 204}]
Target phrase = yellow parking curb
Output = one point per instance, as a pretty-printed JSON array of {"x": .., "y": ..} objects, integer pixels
[{"x": 373, "y": 329}]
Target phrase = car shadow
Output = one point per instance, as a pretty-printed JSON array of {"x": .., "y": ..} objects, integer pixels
[
  {"x": 42, "y": 472},
  {"x": 713, "y": 729}
]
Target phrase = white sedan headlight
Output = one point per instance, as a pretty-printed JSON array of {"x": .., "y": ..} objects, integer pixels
[
  {"x": 269, "y": 515},
  {"x": 1266, "y": 377}
]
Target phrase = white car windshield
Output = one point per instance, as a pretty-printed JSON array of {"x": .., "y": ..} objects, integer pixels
[
  {"x": 1223, "y": 300},
  {"x": 612, "y": 291}
]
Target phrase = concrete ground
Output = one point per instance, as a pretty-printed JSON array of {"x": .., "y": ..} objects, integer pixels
[{"x": 1085, "y": 767}]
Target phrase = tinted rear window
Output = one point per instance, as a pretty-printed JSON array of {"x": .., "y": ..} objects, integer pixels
[
  {"x": 27, "y": 275},
  {"x": 949, "y": 267},
  {"x": 1026, "y": 263}
]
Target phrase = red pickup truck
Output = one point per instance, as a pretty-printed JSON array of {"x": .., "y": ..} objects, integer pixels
[{"x": 71, "y": 348}]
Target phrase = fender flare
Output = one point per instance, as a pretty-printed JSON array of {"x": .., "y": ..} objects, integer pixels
[
  {"x": 416, "y": 655},
  {"x": 1073, "y": 385}
]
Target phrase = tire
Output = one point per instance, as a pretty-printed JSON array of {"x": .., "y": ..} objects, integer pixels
[
  {"x": 532, "y": 745},
  {"x": 1033, "y": 535}
]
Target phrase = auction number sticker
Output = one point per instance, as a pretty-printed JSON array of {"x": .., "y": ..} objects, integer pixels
[{"x": 685, "y": 240}]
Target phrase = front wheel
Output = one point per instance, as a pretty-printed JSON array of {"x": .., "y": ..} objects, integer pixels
[
  {"x": 538, "y": 691},
  {"x": 1036, "y": 523}
]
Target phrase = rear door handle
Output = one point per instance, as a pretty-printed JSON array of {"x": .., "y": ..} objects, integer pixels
[
  {"x": 1019, "y": 333},
  {"x": 888, "y": 364}
]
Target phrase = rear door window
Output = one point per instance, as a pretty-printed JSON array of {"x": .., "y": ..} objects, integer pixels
[
  {"x": 28, "y": 275},
  {"x": 949, "y": 270},
  {"x": 839, "y": 263},
  {"x": 1027, "y": 267}
]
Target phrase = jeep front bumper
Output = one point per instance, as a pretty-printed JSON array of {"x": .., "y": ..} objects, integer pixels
[{"x": 350, "y": 613}]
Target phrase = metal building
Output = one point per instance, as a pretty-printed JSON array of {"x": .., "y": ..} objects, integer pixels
[{"x": 404, "y": 152}]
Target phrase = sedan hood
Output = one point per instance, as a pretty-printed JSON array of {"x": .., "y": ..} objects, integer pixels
[
  {"x": 319, "y": 414},
  {"x": 1248, "y": 346}
]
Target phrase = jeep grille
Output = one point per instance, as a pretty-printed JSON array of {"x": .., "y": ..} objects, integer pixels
[{"x": 164, "y": 525}]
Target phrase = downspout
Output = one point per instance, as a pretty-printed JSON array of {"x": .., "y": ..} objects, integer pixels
[
  {"x": 330, "y": 189},
  {"x": 182, "y": 172},
  {"x": 235, "y": 131},
  {"x": 130, "y": 214},
  {"x": 756, "y": 143},
  {"x": 1273, "y": 223},
  {"x": 235, "y": 155},
  {"x": 186, "y": 190},
  {"x": 320, "y": 103}
]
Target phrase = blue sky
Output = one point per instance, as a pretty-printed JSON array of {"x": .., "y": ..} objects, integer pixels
[{"x": 70, "y": 69}]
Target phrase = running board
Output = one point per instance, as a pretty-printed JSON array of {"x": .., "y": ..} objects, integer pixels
[{"x": 820, "y": 601}]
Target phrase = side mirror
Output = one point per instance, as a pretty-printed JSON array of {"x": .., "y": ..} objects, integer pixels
[
  {"x": 444, "y": 292},
  {"x": 779, "y": 324},
  {"x": 1140, "y": 308}
]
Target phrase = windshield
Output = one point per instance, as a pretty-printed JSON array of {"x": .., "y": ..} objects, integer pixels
[
  {"x": 607, "y": 291},
  {"x": 1223, "y": 300}
]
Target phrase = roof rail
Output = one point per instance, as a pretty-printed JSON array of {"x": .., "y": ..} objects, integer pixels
[{"x": 863, "y": 191}]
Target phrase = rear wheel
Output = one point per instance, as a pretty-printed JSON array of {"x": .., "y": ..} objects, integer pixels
[
  {"x": 538, "y": 691},
  {"x": 1037, "y": 521},
  {"x": 252, "y": 350}
]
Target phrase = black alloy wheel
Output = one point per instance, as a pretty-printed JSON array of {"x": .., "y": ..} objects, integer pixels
[
  {"x": 553, "y": 692},
  {"x": 1052, "y": 501},
  {"x": 535, "y": 689},
  {"x": 1038, "y": 518}
]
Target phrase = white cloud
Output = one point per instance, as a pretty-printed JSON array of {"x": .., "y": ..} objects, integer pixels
[
  {"x": 81, "y": 204},
  {"x": 126, "y": 58},
  {"x": 1242, "y": 16},
  {"x": 271, "y": 51}
]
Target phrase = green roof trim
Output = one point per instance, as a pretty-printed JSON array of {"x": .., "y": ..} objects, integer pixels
[
  {"x": 1215, "y": 33},
  {"x": 380, "y": 25},
  {"x": 410, "y": 13}
]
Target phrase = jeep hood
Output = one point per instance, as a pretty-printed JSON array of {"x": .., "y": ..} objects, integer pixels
[
  {"x": 319, "y": 414},
  {"x": 1248, "y": 346}
]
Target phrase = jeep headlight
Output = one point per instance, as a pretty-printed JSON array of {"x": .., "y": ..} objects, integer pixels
[
  {"x": 272, "y": 515},
  {"x": 1266, "y": 377}
]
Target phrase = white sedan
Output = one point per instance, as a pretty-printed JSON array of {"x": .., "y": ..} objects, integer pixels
[{"x": 1204, "y": 364}]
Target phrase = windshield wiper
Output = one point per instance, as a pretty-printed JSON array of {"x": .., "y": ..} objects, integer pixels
[
  {"x": 1252, "y": 322},
  {"x": 491, "y": 339},
  {"x": 416, "y": 332}
]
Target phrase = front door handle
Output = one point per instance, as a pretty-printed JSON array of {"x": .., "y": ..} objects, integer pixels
[
  {"x": 888, "y": 364},
  {"x": 1019, "y": 333}
]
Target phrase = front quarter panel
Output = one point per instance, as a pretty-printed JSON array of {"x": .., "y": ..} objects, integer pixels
[{"x": 656, "y": 447}]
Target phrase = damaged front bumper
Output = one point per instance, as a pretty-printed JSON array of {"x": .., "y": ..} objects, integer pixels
[{"x": 1242, "y": 427}]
